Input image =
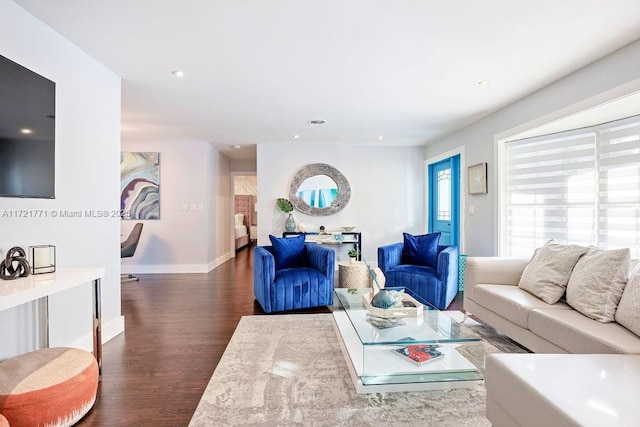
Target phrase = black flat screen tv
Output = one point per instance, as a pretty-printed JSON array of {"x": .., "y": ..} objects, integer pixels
[{"x": 27, "y": 132}]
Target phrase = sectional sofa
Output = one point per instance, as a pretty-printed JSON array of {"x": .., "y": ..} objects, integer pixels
[
  {"x": 587, "y": 304},
  {"x": 491, "y": 293}
]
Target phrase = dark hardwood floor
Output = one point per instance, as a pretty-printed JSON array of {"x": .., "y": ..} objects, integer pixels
[{"x": 177, "y": 327}]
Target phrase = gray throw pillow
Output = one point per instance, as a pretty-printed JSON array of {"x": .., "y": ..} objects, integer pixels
[
  {"x": 547, "y": 274},
  {"x": 628, "y": 312},
  {"x": 597, "y": 282}
]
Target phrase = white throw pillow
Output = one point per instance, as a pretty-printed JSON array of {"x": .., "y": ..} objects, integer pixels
[
  {"x": 628, "y": 312},
  {"x": 547, "y": 274},
  {"x": 597, "y": 282},
  {"x": 239, "y": 218}
]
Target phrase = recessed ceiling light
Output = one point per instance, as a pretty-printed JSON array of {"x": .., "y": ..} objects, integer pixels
[
  {"x": 296, "y": 136},
  {"x": 235, "y": 147},
  {"x": 316, "y": 122},
  {"x": 26, "y": 131},
  {"x": 483, "y": 83},
  {"x": 380, "y": 138},
  {"x": 179, "y": 74}
]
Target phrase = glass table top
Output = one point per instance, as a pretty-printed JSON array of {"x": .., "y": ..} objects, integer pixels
[{"x": 434, "y": 326}]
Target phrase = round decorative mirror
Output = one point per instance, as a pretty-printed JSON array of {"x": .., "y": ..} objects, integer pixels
[{"x": 319, "y": 190}]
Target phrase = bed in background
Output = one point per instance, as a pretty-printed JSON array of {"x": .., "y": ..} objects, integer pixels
[
  {"x": 240, "y": 231},
  {"x": 243, "y": 219}
]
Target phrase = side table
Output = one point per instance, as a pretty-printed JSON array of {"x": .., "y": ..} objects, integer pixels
[{"x": 353, "y": 275}]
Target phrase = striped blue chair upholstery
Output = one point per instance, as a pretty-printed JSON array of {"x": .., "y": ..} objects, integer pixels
[
  {"x": 438, "y": 286},
  {"x": 291, "y": 288}
]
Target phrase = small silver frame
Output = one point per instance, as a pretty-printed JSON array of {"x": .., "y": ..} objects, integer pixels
[{"x": 42, "y": 259}]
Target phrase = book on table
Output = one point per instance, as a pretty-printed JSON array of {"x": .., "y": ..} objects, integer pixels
[{"x": 419, "y": 353}]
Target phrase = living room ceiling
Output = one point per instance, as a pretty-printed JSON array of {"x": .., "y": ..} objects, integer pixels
[{"x": 377, "y": 72}]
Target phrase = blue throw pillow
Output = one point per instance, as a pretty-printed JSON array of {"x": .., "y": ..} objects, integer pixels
[
  {"x": 288, "y": 251},
  {"x": 421, "y": 250}
]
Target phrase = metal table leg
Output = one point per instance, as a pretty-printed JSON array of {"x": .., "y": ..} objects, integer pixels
[{"x": 97, "y": 326}]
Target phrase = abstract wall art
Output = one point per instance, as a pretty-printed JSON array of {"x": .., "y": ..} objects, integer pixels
[
  {"x": 477, "y": 178},
  {"x": 140, "y": 185}
]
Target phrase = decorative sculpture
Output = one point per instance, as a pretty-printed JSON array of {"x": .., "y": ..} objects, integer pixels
[{"x": 15, "y": 264}]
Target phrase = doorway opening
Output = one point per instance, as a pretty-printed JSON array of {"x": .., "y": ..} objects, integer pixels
[{"x": 245, "y": 226}]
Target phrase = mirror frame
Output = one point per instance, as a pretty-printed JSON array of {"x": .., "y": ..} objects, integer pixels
[{"x": 308, "y": 171}]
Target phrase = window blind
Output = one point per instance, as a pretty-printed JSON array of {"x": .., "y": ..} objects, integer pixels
[{"x": 580, "y": 186}]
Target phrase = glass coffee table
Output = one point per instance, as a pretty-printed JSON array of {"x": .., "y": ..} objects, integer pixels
[{"x": 375, "y": 365}]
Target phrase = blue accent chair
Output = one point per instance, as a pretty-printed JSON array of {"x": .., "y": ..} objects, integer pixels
[
  {"x": 293, "y": 288},
  {"x": 438, "y": 286}
]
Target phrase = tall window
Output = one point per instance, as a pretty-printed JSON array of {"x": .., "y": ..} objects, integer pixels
[
  {"x": 444, "y": 195},
  {"x": 581, "y": 186}
]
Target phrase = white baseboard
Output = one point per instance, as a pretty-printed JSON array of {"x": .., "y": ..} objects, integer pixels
[
  {"x": 176, "y": 268},
  {"x": 110, "y": 330},
  {"x": 164, "y": 268},
  {"x": 221, "y": 260}
]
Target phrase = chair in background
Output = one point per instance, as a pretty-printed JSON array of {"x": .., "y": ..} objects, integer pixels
[
  {"x": 291, "y": 274},
  {"x": 128, "y": 249},
  {"x": 428, "y": 269}
]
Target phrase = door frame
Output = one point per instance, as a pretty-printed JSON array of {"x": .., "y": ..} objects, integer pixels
[
  {"x": 463, "y": 190},
  {"x": 232, "y": 208}
]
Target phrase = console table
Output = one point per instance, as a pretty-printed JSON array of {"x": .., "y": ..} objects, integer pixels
[
  {"x": 38, "y": 287},
  {"x": 350, "y": 238}
]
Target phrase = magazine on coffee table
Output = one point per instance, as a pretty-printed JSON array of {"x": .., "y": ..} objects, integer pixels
[{"x": 419, "y": 353}]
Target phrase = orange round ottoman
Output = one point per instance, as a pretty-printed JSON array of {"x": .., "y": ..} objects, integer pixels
[{"x": 51, "y": 386}]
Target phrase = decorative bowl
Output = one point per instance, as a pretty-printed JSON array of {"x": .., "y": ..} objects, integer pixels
[
  {"x": 349, "y": 228},
  {"x": 414, "y": 310}
]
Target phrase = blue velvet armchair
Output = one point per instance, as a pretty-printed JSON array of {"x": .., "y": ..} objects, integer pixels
[
  {"x": 438, "y": 286},
  {"x": 309, "y": 285}
]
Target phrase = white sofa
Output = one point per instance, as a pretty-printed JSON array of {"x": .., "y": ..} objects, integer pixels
[
  {"x": 491, "y": 293},
  {"x": 531, "y": 390},
  {"x": 556, "y": 389}
]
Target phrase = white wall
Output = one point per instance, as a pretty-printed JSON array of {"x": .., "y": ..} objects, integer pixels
[
  {"x": 184, "y": 241},
  {"x": 243, "y": 165},
  {"x": 221, "y": 234},
  {"x": 608, "y": 78},
  {"x": 387, "y": 196},
  {"x": 87, "y": 177}
]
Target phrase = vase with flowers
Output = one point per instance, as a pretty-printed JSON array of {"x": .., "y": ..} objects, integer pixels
[{"x": 286, "y": 206}]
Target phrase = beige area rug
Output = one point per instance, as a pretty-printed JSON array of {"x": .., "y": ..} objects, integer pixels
[{"x": 288, "y": 370}]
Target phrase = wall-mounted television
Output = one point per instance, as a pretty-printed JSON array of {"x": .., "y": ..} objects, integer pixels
[{"x": 27, "y": 132}]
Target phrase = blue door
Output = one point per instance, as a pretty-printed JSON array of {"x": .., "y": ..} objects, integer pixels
[{"x": 444, "y": 200}]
